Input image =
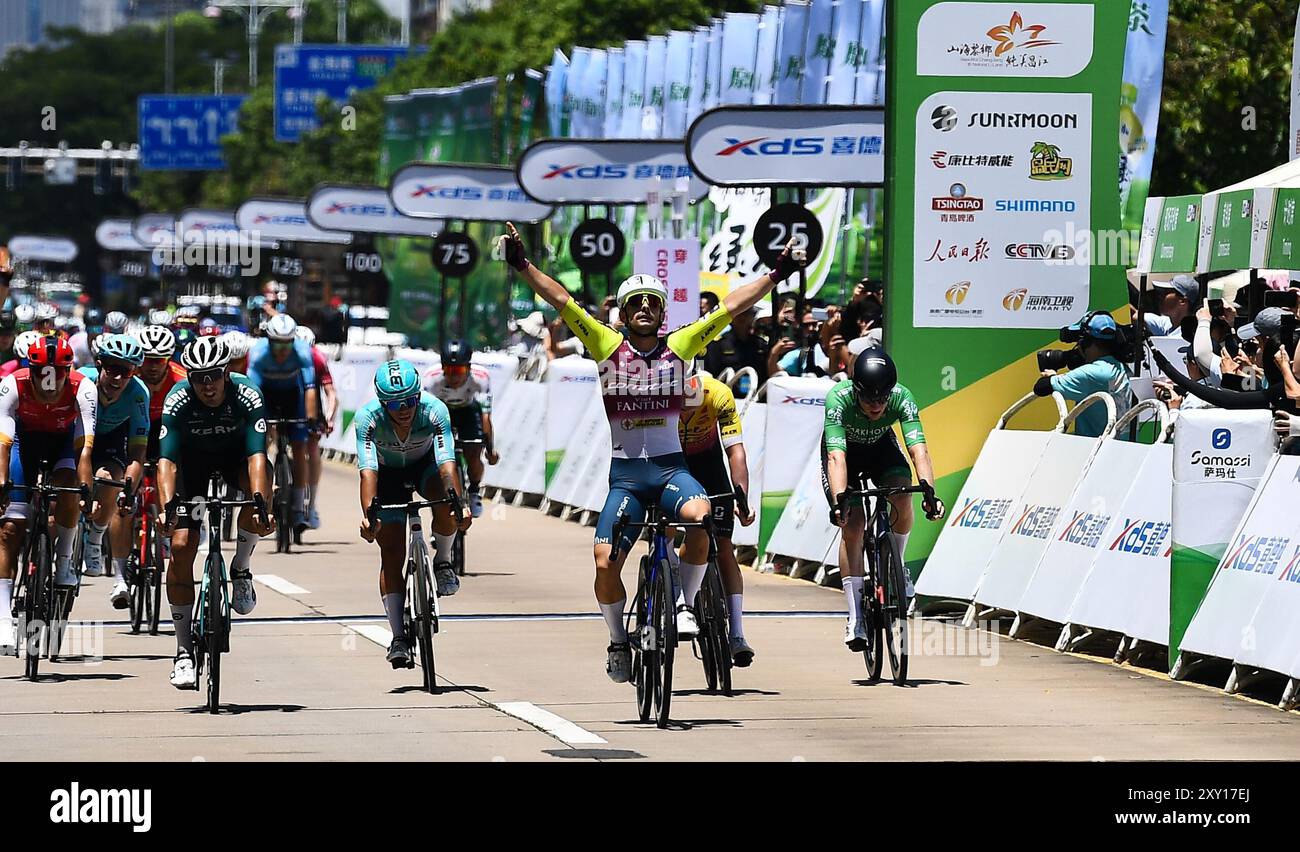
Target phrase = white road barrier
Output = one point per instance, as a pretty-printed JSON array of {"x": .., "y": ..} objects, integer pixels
[
  {"x": 753, "y": 425},
  {"x": 796, "y": 410}
]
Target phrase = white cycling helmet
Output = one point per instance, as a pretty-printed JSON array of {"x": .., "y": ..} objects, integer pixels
[
  {"x": 46, "y": 312},
  {"x": 642, "y": 285},
  {"x": 306, "y": 335},
  {"x": 115, "y": 323},
  {"x": 25, "y": 313},
  {"x": 157, "y": 341},
  {"x": 281, "y": 327},
  {"x": 206, "y": 353},
  {"x": 160, "y": 317},
  {"x": 24, "y": 341},
  {"x": 238, "y": 343}
]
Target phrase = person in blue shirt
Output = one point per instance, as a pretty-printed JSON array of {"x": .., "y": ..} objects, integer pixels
[
  {"x": 404, "y": 442},
  {"x": 121, "y": 436},
  {"x": 280, "y": 365},
  {"x": 1094, "y": 368}
]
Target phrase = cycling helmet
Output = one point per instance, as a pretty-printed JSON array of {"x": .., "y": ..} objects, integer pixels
[
  {"x": 642, "y": 285},
  {"x": 50, "y": 350},
  {"x": 455, "y": 353},
  {"x": 45, "y": 312},
  {"x": 157, "y": 341},
  {"x": 281, "y": 327},
  {"x": 205, "y": 353},
  {"x": 238, "y": 343},
  {"x": 24, "y": 341},
  {"x": 25, "y": 314},
  {"x": 209, "y": 327},
  {"x": 160, "y": 317},
  {"x": 396, "y": 380},
  {"x": 874, "y": 375},
  {"x": 115, "y": 323},
  {"x": 306, "y": 335},
  {"x": 120, "y": 347}
]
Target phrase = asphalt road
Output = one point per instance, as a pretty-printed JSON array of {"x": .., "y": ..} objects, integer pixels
[{"x": 521, "y": 658}]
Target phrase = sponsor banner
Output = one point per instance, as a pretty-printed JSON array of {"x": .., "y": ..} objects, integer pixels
[
  {"x": 354, "y": 378},
  {"x": 1230, "y": 235},
  {"x": 569, "y": 171},
  {"x": 613, "y": 118},
  {"x": 1177, "y": 234},
  {"x": 753, "y": 425},
  {"x": 575, "y": 82},
  {"x": 804, "y": 530},
  {"x": 117, "y": 235},
  {"x": 1219, "y": 458},
  {"x": 153, "y": 229},
  {"x": 677, "y": 84},
  {"x": 1139, "y": 112},
  {"x": 818, "y": 48},
  {"x": 1027, "y": 40},
  {"x": 1127, "y": 590},
  {"x": 677, "y": 264},
  {"x": 981, "y": 514},
  {"x": 520, "y": 439},
  {"x": 652, "y": 106},
  {"x": 284, "y": 219},
  {"x": 197, "y": 225},
  {"x": 869, "y": 79},
  {"x": 570, "y": 384},
  {"x": 713, "y": 71},
  {"x": 849, "y": 55},
  {"x": 1085, "y": 528},
  {"x": 739, "y": 51},
  {"x": 583, "y": 431},
  {"x": 1283, "y": 250},
  {"x": 765, "y": 61},
  {"x": 700, "y": 44},
  {"x": 789, "y": 52},
  {"x": 998, "y": 190},
  {"x": 1258, "y": 572},
  {"x": 476, "y": 193},
  {"x": 634, "y": 59},
  {"x": 1147, "y": 237},
  {"x": 363, "y": 209},
  {"x": 501, "y": 369},
  {"x": 772, "y": 146},
  {"x": 556, "y": 73},
  {"x": 42, "y": 248},
  {"x": 796, "y": 410},
  {"x": 589, "y": 107},
  {"x": 1036, "y": 519}
]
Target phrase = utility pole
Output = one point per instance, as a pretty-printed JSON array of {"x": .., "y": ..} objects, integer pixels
[{"x": 169, "y": 51}]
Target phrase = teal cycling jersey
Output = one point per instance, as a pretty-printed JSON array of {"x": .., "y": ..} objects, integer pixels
[
  {"x": 379, "y": 444},
  {"x": 131, "y": 407}
]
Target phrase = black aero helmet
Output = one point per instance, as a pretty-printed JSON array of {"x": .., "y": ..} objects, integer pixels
[
  {"x": 455, "y": 353},
  {"x": 874, "y": 374}
]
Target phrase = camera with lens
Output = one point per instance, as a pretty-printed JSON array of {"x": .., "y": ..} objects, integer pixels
[{"x": 1060, "y": 359}]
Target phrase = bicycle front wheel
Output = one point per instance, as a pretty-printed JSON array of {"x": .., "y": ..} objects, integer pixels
[
  {"x": 155, "y": 573},
  {"x": 665, "y": 621},
  {"x": 281, "y": 499},
  {"x": 37, "y": 601},
  {"x": 217, "y": 628},
  {"x": 894, "y": 614},
  {"x": 458, "y": 553},
  {"x": 644, "y": 666},
  {"x": 873, "y": 655},
  {"x": 424, "y": 624}
]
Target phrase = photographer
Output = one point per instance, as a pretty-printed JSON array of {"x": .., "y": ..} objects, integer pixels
[
  {"x": 1092, "y": 367},
  {"x": 803, "y": 352},
  {"x": 1175, "y": 301}
]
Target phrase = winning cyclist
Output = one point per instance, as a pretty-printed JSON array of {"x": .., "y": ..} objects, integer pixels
[
  {"x": 858, "y": 443},
  {"x": 47, "y": 417},
  {"x": 211, "y": 423},
  {"x": 404, "y": 442},
  {"x": 710, "y": 409},
  {"x": 280, "y": 366},
  {"x": 324, "y": 425},
  {"x": 121, "y": 438},
  {"x": 467, "y": 392},
  {"x": 641, "y": 378}
]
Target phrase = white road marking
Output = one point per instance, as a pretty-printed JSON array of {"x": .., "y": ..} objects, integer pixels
[
  {"x": 381, "y": 636},
  {"x": 279, "y": 584},
  {"x": 557, "y": 726}
]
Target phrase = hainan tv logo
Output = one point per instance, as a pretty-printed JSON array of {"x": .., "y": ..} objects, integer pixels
[{"x": 1221, "y": 439}]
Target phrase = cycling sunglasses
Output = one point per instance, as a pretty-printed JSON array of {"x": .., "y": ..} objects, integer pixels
[
  {"x": 116, "y": 369},
  {"x": 281, "y": 344},
  {"x": 402, "y": 404},
  {"x": 207, "y": 377}
]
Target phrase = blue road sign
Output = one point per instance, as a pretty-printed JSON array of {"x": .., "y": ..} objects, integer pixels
[
  {"x": 305, "y": 73},
  {"x": 183, "y": 132}
]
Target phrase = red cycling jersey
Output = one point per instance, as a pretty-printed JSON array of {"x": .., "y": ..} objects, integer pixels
[
  {"x": 8, "y": 368},
  {"x": 175, "y": 373},
  {"x": 321, "y": 365},
  {"x": 20, "y": 410}
]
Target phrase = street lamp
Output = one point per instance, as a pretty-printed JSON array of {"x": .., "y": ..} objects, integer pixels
[{"x": 255, "y": 12}]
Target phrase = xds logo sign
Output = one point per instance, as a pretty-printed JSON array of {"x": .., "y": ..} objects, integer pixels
[
  {"x": 1142, "y": 538},
  {"x": 803, "y": 400},
  {"x": 357, "y": 209},
  {"x": 1221, "y": 439},
  {"x": 984, "y": 513}
]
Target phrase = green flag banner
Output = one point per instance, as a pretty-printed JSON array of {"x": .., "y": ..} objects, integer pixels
[
  {"x": 1177, "y": 232},
  {"x": 1000, "y": 196},
  {"x": 1284, "y": 236}
]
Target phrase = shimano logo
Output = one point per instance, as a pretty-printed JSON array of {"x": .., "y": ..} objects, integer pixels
[
  {"x": 75, "y": 805},
  {"x": 1142, "y": 538},
  {"x": 984, "y": 513},
  {"x": 803, "y": 400}
]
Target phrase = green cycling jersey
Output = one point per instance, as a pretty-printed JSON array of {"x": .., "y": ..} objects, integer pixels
[{"x": 846, "y": 423}]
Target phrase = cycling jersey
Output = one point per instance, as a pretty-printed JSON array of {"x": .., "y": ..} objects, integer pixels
[
  {"x": 238, "y": 423},
  {"x": 294, "y": 372},
  {"x": 8, "y": 368},
  {"x": 321, "y": 367},
  {"x": 698, "y": 427},
  {"x": 175, "y": 373},
  {"x": 477, "y": 388},
  {"x": 131, "y": 408},
  {"x": 378, "y": 442},
  {"x": 643, "y": 390},
  {"x": 73, "y": 412},
  {"x": 846, "y": 423}
]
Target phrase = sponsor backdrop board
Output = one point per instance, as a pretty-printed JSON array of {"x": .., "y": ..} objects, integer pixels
[
  {"x": 1034, "y": 85},
  {"x": 1176, "y": 234}
]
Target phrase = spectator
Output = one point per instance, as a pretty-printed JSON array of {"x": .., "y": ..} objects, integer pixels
[
  {"x": 808, "y": 359},
  {"x": 529, "y": 333},
  {"x": 740, "y": 347},
  {"x": 859, "y": 326},
  {"x": 334, "y": 323},
  {"x": 8, "y": 329},
  {"x": 1098, "y": 370},
  {"x": 559, "y": 341},
  {"x": 1176, "y": 300},
  {"x": 708, "y": 301}
]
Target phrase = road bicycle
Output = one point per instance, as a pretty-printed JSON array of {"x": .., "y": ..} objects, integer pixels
[
  {"x": 144, "y": 561},
  {"x": 282, "y": 497},
  {"x": 462, "y": 469},
  {"x": 420, "y": 622},
  {"x": 712, "y": 614}
]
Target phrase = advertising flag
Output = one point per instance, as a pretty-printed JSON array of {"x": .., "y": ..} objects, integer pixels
[
  {"x": 790, "y": 61},
  {"x": 555, "y": 111},
  {"x": 769, "y": 31},
  {"x": 652, "y": 109},
  {"x": 739, "y": 51},
  {"x": 633, "y": 89},
  {"x": 870, "y": 75},
  {"x": 677, "y": 83},
  {"x": 1139, "y": 105},
  {"x": 818, "y": 48},
  {"x": 613, "y": 121},
  {"x": 849, "y": 55}
]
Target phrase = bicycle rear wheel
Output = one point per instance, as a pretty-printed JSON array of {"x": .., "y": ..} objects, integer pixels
[
  {"x": 216, "y": 627},
  {"x": 873, "y": 655},
  {"x": 894, "y": 614},
  {"x": 665, "y": 621},
  {"x": 424, "y": 624},
  {"x": 37, "y": 601},
  {"x": 644, "y": 666},
  {"x": 720, "y": 630},
  {"x": 281, "y": 500},
  {"x": 156, "y": 568},
  {"x": 139, "y": 592},
  {"x": 707, "y": 646}
]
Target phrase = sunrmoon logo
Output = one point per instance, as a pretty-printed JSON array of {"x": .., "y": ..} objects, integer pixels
[{"x": 945, "y": 118}]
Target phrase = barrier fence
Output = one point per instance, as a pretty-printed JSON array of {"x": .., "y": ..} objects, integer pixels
[{"x": 1061, "y": 532}]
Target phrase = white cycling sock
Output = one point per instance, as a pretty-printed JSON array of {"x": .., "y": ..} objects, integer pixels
[
  {"x": 181, "y": 616},
  {"x": 692, "y": 577},
  {"x": 63, "y": 540},
  {"x": 613, "y": 613},
  {"x": 119, "y": 565},
  {"x": 298, "y": 492},
  {"x": 442, "y": 546},
  {"x": 900, "y": 542},
  {"x": 245, "y": 542},
  {"x": 394, "y": 604},
  {"x": 853, "y": 593},
  {"x": 736, "y": 612},
  {"x": 6, "y": 597}
]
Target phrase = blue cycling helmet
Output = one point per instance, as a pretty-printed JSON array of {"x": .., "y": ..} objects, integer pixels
[
  {"x": 120, "y": 347},
  {"x": 396, "y": 380}
]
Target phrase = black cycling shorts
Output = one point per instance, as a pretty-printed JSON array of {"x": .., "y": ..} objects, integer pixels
[
  {"x": 467, "y": 422},
  {"x": 878, "y": 462},
  {"x": 194, "y": 470},
  {"x": 710, "y": 470},
  {"x": 111, "y": 447}
]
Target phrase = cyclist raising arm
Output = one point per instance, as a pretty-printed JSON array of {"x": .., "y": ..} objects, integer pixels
[
  {"x": 641, "y": 378},
  {"x": 858, "y": 442},
  {"x": 404, "y": 442},
  {"x": 211, "y": 423}
]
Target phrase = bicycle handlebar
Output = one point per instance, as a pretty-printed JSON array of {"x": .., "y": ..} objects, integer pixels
[
  {"x": 412, "y": 506},
  {"x": 288, "y": 421}
]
